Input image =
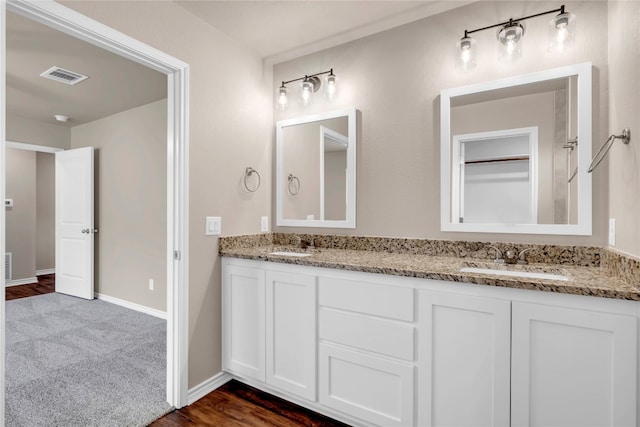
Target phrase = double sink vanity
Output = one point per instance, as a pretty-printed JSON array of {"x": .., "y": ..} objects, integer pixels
[
  {"x": 413, "y": 332},
  {"x": 416, "y": 332}
]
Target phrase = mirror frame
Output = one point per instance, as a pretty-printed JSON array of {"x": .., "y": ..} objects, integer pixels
[
  {"x": 584, "y": 224},
  {"x": 350, "y": 221}
]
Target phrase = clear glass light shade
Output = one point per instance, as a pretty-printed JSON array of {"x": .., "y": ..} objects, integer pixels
[
  {"x": 282, "y": 100},
  {"x": 306, "y": 93},
  {"x": 331, "y": 87},
  {"x": 466, "y": 54},
  {"x": 562, "y": 31},
  {"x": 510, "y": 42}
]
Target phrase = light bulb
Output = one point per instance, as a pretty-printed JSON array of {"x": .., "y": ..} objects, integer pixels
[
  {"x": 331, "y": 87},
  {"x": 510, "y": 38},
  {"x": 282, "y": 102},
  {"x": 306, "y": 92},
  {"x": 466, "y": 54},
  {"x": 561, "y": 32}
]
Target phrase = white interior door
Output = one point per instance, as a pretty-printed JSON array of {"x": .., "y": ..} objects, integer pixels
[{"x": 74, "y": 222}]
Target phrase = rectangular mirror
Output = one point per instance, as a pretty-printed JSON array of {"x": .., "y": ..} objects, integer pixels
[
  {"x": 316, "y": 170},
  {"x": 515, "y": 153}
]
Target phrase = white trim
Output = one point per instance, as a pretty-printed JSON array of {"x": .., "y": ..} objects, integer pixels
[
  {"x": 3, "y": 196},
  {"x": 133, "y": 306},
  {"x": 45, "y": 271},
  {"x": 584, "y": 225},
  {"x": 32, "y": 147},
  {"x": 207, "y": 386},
  {"x": 18, "y": 282},
  {"x": 68, "y": 21}
]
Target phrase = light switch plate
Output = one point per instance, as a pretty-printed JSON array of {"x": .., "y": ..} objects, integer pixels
[
  {"x": 264, "y": 224},
  {"x": 213, "y": 226},
  {"x": 612, "y": 232}
]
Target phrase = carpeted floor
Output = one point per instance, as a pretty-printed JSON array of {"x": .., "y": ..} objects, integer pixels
[{"x": 74, "y": 362}]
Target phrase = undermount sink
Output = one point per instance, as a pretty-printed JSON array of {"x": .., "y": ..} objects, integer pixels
[
  {"x": 526, "y": 271},
  {"x": 292, "y": 254}
]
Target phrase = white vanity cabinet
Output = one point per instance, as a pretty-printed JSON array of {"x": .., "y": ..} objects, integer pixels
[
  {"x": 367, "y": 348},
  {"x": 377, "y": 350},
  {"x": 464, "y": 360},
  {"x": 557, "y": 361},
  {"x": 269, "y": 326},
  {"x": 243, "y": 313},
  {"x": 573, "y": 367},
  {"x": 291, "y": 332}
]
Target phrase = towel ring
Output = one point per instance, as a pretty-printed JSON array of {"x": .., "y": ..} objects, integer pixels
[
  {"x": 602, "y": 152},
  {"x": 247, "y": 173},
  {"x": 292, "y": 188}
]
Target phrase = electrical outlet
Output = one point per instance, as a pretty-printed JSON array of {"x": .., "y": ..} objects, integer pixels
[
  {"x": 612, "y": 232},
  {"x": 264, "y": 224},
  {"x": 213, "y": 226},
  {"x": 150, "y": 284}
]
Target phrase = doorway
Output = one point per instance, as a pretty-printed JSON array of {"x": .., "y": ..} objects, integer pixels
[{"x": 63, "y": 19}]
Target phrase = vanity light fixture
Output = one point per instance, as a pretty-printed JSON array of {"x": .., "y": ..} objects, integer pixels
[
  {"x": 309, "y": 85},
  {"x": 510, "y": 34}
]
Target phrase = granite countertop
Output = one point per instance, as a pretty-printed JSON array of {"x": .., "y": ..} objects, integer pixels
[{"x": 583, "y": 280}]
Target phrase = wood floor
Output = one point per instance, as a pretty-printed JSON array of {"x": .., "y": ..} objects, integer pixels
[
  {"x": 46, "y": 285},
  {"x": 236, "y": 404}
]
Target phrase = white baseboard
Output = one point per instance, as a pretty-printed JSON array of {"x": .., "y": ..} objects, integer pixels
[
  {"x": 18, "y": 282},
  {"x": 45, "y": 271},
  {"x": 207, "y": 386},
  {"x": 133, "y": 306}
]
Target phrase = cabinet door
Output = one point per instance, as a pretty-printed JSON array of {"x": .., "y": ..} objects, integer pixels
[
  {"x": 375, "y": 389},
  {"x": 573, "y": 367},
  {"x": 243, "y": 299},
  {"x": 291, "y": 333},
  {"x": 464, "y": 360}
]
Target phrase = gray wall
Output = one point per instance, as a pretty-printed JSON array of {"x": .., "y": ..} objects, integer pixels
[
  {"x": 21, "y": 219},
  {"x": 395, "y": 77},
  {"x": 624, "y": 111},
  {"x": 45, "y": 211},
  {"x": 130, "y": 202}
]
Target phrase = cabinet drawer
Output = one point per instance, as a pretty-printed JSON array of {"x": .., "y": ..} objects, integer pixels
[
  {"x": 379, "y": 336},
  {"x": 393, "y": 302},
  {"x": 373, "y": 389}
]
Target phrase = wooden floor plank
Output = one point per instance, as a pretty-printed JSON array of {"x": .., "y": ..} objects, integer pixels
[
  {"x": 46, "y": 285},
  {"x": 239, "y": 405}
]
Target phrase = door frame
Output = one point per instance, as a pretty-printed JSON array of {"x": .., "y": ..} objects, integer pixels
[{"x": 61, "y": 18}]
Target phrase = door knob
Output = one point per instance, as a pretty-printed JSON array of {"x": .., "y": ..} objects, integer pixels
[{"x": 89, "y": 230}]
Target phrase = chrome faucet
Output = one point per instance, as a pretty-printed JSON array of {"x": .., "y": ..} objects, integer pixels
[
  {"x": 522, "y": 260},
  {"x": 498, "y": 259}
]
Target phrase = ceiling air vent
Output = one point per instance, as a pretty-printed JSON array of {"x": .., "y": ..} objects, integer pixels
[{"x": 64, "y": 76}]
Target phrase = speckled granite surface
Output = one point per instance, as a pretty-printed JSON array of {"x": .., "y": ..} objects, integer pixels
[{"x": 442, "y": 260}]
